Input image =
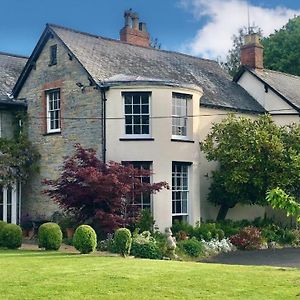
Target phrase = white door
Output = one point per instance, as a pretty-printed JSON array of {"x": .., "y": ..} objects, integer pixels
[{"x": 9, "y": 204}]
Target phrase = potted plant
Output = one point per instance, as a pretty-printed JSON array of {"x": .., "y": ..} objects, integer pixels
[
  {"x": 68, "y": 225},
  {"x": 27, "y": 226}
]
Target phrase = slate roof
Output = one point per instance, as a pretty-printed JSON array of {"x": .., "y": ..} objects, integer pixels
[
  {"x": 285, "y": 84},
  {"x": 10, "y": 68},
  {"x": 105, "y": 59}
]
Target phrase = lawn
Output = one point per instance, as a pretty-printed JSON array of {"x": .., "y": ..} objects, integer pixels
[{"x": 54, "y": 275}]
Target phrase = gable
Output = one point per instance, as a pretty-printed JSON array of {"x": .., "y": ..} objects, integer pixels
[{"x": 277, "y": 92}]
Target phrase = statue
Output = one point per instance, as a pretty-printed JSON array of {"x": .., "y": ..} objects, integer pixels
[{"x": 171, "y": 244}]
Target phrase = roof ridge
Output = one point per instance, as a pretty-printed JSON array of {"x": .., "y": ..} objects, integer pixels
[
  {"x": 13, "y": 55},
  {"x": 283, "y": 73},
  {"x": 122, "y": 42}
]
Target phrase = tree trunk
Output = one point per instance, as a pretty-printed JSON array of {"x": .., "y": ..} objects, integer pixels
[{"x": 222, "y": 212}]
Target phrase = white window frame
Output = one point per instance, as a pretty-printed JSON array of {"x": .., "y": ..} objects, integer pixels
[
  {"x": 137, "y": 135},
  {"x": 185, "y": 99},
  {"x": 13, "y": 206},
  {"x": 49, "y": 129},
  {"x": 181, "y": 189}
]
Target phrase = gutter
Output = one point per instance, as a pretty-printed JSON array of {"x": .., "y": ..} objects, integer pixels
[{"x": 103, "y": 89}]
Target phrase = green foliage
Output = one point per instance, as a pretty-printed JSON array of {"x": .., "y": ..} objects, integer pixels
[
  {"x": 123, "y": 240},
  {"x": 208, "y": 231},
  {"x": 85, "y": 239},
  {"x": 180, "y": 227},
  {"x": 147, "y": 250},
  {"x": 254, "y": 156},
  {"x": 281, "y": 49},
  {"x": 10, "y": 236},
  {"x": 18, "y": 157},
  {"x": 191, "y": 247},
  {"x": 145, "y": 246},
  {"x": 146, "y": 221},
  {"x": 281, "y": 200},
  {"x": 49, "y": 236},
  {"x": 2, "y": 224}
]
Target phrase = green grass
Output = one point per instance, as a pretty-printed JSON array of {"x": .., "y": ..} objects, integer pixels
[{"x": 53, "y": 275}]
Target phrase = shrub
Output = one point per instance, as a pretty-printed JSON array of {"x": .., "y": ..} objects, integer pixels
[
  {"x": 207, "y": 231},
  {"x": 181, "y": 226},
  {"x": 11, "y": 236},
  {"x": 216, "y": 246},
  {"x": 247, "y": 238},
  {"x": 123, "y": 241},
  {"x": 191, "y": 247},
  {"x": 148, "y": 250},
  {"x": 85, "y": 239},
  {"x": 145, "y": 246},
  {"x": 49, "y": 236},
  {"x": 2, "y": 224},
  {"x": 145, "y": 221}
]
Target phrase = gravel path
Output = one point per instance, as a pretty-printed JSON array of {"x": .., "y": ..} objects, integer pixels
[{"x": 287, "y": 257}]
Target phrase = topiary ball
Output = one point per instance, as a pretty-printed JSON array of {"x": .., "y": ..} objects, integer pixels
[
  {"x": 85, "y": 239},
  {"x": 2, "y": 224},
  {"x": 11, "y": 236},
  {"x": 123, "y": 241},
  {"x": 49, "y": 236}
]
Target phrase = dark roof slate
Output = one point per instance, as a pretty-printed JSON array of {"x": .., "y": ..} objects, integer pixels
[
  {"x": 104, "y": 58},
  {"x": 286, "y": 84},
  {"x": 10, "y": 68}
]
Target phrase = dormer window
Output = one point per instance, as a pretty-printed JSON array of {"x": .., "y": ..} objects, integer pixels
[{"x": 53, "y": 55}]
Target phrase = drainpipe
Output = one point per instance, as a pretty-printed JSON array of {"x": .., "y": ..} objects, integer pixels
[{"x": 103, "y": 89}]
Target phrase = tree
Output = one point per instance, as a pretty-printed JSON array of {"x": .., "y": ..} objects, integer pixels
[
  {"x": 281, "y": 200},
  {"x": 281, "y": 49},
  {"x": 101, "y": 193},
  {"x": 233, "y": 61},
  {"x": 254, "y": 156}
]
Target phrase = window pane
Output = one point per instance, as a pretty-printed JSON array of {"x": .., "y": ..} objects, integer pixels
[
  {"x": 128, "y": 129},
  {"x": 145, "y": 129},
  {"x": 128, "y": 109},
  {"x": 128, "y": 120},
  {"x": 136, "y": 99},
  {"x": 180, "y": 188},
  {"x": 136, "y": 109}
]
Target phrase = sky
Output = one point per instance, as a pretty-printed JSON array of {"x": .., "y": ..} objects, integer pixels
[{"x": 202, "y": 28}]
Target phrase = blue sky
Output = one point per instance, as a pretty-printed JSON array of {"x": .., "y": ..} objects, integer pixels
[{"x": 198, "y": 27}]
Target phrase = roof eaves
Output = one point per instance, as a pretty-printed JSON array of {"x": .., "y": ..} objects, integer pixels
[
  {"x": 241, "y": 110},
  {"x": 26, "y": 70}
]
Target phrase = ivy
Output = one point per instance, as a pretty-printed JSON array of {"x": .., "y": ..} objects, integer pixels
[{"x": 18, "y": 157}]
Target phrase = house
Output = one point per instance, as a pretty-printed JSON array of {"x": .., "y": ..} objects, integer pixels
[
  {"x": 10, "y": 68},
  {"x": 131, "y": 103},
  {"x": 277, "y": 92}
]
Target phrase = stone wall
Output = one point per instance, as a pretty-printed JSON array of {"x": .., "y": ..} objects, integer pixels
[{"x": 80, "y": 109}]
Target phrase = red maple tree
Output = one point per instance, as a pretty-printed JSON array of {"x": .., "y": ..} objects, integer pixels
[{"x": 99, "y": 193}]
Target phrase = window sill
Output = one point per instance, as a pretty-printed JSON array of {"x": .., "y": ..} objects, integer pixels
[
  {"x": 52, "y": 133},
  {"x": 138, "y": 139},
  {"x": 182, "y": 140}
]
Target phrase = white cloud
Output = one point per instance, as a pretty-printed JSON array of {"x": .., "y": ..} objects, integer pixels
[{"x": 224, "y": 18}]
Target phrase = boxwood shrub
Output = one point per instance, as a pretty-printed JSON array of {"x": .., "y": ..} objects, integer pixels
[
  {"x": 192, "y": 247},
  {"x": 49, "y": 236},
  {"x": 123, "y": 240},
  {"x": 85, "y": 239},
  {"x": 11, "y": 236},
  {"x": 148, "y": 250},
  {"x": 2, "y": 224}
]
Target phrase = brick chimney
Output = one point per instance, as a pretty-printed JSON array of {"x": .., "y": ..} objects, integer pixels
[
  {"x": 252, "y": 52},
  {"x": 134, "y": 32}
]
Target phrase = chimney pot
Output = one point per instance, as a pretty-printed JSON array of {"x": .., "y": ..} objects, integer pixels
[{"x": 134, "y": 32}]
